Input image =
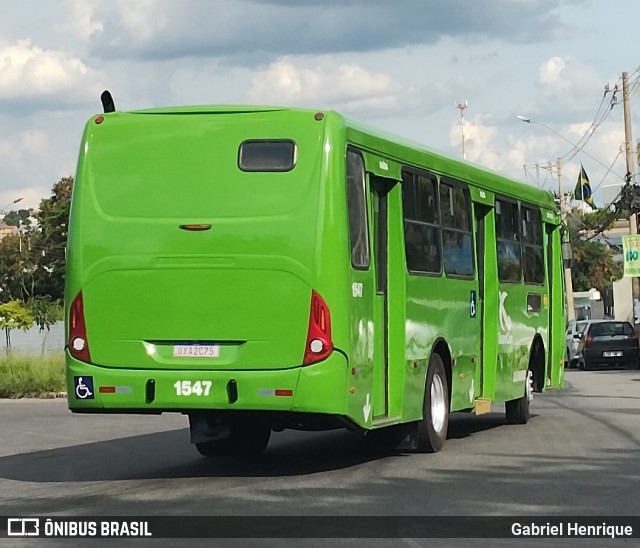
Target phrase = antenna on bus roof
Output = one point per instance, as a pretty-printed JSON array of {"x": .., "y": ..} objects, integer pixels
[{"x": 107, "y": 102}]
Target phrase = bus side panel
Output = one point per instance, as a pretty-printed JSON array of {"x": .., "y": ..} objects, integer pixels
[
  {"x": 514, "y": 341},
  {"x": 425, "y": 307},
  {"x": 462, "y": 332},
  {"x": 438, "y": 309}
]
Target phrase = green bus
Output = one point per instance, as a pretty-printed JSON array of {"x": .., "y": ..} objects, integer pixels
[{"x": 265, "y": 268}]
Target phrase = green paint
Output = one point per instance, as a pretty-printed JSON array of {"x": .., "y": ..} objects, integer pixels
[{"x": 244, "y": 285}]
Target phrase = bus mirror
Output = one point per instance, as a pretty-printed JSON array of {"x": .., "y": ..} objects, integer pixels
[{"x": 567, "y": 255}]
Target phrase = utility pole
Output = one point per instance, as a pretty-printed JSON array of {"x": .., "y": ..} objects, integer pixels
[
  {"x": 628, "y": 145},
  {"x": 462, "y": 106},
  {"x": 568, "y": 282}
]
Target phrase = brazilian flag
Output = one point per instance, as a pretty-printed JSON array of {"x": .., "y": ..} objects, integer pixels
[{"x": 583, "y": 189}]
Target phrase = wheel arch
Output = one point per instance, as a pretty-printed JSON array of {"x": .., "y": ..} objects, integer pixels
[
  {"x": 441, "y": 348},
  {"x": 537, "y": 363}
]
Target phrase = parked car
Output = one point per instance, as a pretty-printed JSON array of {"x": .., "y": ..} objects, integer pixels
[
  {"x": 608, "y": 343},
  {"x": 572, "y": 341}
]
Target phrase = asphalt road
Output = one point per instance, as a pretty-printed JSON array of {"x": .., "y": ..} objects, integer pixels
[{"x": 578, "y": 455}]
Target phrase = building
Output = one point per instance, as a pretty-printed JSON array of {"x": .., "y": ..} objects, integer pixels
[{"x": 7, "y": 230}]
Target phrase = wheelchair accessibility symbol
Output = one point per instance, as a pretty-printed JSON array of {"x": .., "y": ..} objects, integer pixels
[{"x": 84, "y": 387}]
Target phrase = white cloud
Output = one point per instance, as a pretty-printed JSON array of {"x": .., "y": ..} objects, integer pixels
[
  {"x": 21, "y": 145},
  {"x": 344, "y": 86},
  {"x": 566, "y": 83},
  {"x": 81, "y": 20},
  {"x": 29, "y": 72},
  {"x": 23, "y": 155},
  {"x": 482, "y": 148}
]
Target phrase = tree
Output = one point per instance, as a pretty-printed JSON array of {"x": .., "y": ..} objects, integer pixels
[
  {"x": 17, "y": 269},
  {"x": 18, "y": 218},
  {"x": 49, "y": 240},
  {"x": 45, "y": 312},
  {"x": 593, "y": 263},
  {"x": 32, "y": 262},
  {"x": 14, "y": 315}
]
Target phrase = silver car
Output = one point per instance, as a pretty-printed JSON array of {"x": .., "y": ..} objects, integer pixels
[{"x": 572, "y": 341}]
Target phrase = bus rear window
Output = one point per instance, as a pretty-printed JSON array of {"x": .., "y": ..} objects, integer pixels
[{"x": 267, "y": 155}]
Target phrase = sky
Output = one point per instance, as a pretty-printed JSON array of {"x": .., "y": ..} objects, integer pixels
[{"x": 402, "y": 66}]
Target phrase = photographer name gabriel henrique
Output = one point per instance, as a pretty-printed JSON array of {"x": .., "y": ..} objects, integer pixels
[{"x": 571, "y": 529}]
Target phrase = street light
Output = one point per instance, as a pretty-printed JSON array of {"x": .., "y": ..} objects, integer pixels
[
  {"x": 10, "y": 204},
  {"x": 574, "y": 145}
]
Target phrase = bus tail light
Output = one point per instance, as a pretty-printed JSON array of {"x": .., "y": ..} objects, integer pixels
[
  {"x": 78, "y": 344},
  {"x": 319, "y": 345}
]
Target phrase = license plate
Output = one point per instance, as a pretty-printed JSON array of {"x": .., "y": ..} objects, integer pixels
[
  {"x": 196, "y": 351},
  {"x": 612, "y": 354}
]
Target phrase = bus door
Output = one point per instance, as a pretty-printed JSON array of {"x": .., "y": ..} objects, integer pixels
[
  {"x": 487, "y": 299},
  {"x": 379, "y": 188},
  {"x": 554, "y": 303}
]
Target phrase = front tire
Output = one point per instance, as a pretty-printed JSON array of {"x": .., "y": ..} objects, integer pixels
[{"x": 431, "y": 431}]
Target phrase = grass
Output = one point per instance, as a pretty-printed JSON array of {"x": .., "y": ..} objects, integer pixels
[{"x": 31, "y": 376}]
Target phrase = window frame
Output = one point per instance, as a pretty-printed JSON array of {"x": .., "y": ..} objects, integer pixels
[
  {"x": 436, "y": 225},
  {"x": 517, "y": 241},
  {"x": 524, "y": 206},
  {"x": 364, "y": 206},
  {"x": 294, "y": 159},
  {"x": 456, "y": 183}
]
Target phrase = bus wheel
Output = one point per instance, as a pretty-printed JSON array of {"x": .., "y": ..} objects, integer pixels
[
  {"x": 244, "y": 439},
  {"x": 517, "y": 410},
  {"x": 431, "y": 431}
]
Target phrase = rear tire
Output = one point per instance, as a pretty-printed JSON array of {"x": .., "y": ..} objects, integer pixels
[
  {"x": 431, "y": 431},
  {"x": 518, "y": 411},
  {"x": 244, "y": 439}
]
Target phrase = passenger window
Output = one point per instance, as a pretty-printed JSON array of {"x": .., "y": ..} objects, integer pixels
[
  {"x": 457, "y": 247},
  {"x": 508, "y": 241},
  {"x": 357, "y": 205},
  {"x": 532, "y": 248},
  {"x": 421, "y": 231}
]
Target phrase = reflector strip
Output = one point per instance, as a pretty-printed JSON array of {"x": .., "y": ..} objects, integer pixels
[
  {"x": 276, "y": 392},
  {"x": 115, "y": 390}
]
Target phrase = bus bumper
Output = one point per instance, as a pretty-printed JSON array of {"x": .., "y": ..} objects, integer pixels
[{"x": 318, "y": 388}]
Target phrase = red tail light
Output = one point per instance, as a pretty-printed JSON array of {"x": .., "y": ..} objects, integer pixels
[
  {"x": 588, "y": 339},
  {"x": 78, "y": 344},
  {"x": 319, "y": 345}
]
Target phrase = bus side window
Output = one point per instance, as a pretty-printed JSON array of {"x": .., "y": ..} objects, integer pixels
[
  {"x": 357, "y": 205},
  {"x": 457, "y": 247},
  {"x": 532, "y": 254},
  {"x": 421, "y": 223},
  {"x": 508, "y": 241}
]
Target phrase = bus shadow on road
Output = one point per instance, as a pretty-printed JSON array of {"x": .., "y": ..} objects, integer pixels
[
  {"x": 463, "y": 425},
  {"x": 168, "y": 455}
]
